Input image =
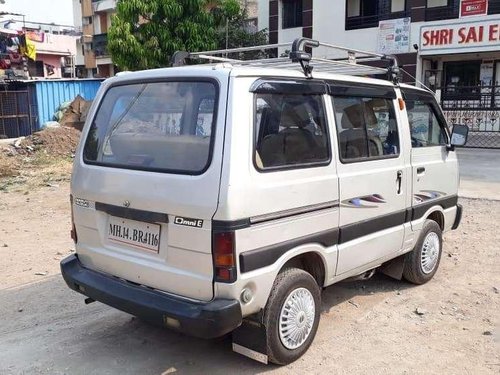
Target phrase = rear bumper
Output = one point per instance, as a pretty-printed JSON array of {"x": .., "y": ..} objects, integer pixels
[
  {"x": 458, "y": 217},
  {"x": 205, "y": 320}
]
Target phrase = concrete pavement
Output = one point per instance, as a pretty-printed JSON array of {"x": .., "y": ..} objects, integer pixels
[{"x": 479, "y": 173}]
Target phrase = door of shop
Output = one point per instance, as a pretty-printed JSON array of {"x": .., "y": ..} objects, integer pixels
[
  {"x": 475, "y": 102},
  {"x": 15, "y": 114}
]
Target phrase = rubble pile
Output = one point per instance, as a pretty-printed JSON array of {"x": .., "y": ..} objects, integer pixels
[{"x": 50, "y": 144}]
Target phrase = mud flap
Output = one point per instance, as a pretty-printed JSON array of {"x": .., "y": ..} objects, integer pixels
[
  {"x": 249, "y": 339},
  {"x": 394, "y": 268}
]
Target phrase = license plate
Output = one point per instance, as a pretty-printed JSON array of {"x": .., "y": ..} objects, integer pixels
[{"x": 144, "y": 236}]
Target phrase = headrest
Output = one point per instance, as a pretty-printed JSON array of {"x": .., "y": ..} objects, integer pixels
[
  {"x": 296, "y": 115},
  {"x": 353, "y": 116},
  {"x": 357, "y": 115}
]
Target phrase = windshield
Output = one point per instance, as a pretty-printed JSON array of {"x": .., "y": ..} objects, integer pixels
[{"x": 159, "y": 126}]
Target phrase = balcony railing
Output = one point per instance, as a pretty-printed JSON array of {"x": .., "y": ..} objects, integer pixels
[
  {"x": 100, "y": 43},
  {"x": 103, "y": 5},
  {"x": 362, "y": 22},
  {"x": 480, "y": 97},
  {"x": 395, "y": 15}
]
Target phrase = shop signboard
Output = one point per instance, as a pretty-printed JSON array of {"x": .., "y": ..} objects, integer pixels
[
  {"x": 460, "y": 37},
  {"x": 473, "y": 8},
  {"x": 394, "y": 36}
]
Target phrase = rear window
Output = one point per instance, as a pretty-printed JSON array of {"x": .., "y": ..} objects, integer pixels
[{"x": 158, "y": 126}]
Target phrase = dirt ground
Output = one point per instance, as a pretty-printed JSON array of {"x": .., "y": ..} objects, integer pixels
[{"x": 368, "y": 327}]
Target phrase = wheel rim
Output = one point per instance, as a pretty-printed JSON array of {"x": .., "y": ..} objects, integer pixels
[
  {"x": 296, "y": 319},
  {"x": 430, "y": 253}
]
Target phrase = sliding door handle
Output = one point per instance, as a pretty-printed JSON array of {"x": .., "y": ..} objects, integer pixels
[
  {"x": 399, "y": 181},
  {"x": 420, "y": 170}
]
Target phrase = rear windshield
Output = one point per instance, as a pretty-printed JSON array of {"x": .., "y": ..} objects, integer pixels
[{"x": 159, "y": 126}]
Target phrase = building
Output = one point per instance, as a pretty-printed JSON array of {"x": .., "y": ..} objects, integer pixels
[
  {"x": 450, "y": 46},
  {"x": 93, "y": 17},
  {"x": 80, "y": 70},
  {"x": 54, "y": 46}
]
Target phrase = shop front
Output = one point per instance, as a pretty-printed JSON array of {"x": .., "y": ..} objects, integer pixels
[{"x": 460, "y": 61}]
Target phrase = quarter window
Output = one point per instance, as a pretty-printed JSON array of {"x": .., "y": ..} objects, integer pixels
[
  {"x": 425, "y": 126},
  {"x": 290, "y": 131},
  {"x": 366, "y": 128}
]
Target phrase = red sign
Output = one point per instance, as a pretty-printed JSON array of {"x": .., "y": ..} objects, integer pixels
[
  {"x": 478, "y": 35},
  {"x": 473, "y": 8}
]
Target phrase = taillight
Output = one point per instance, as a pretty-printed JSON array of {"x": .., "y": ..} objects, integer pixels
[
  {"x": 224, "y": 257},
  {"x": 74, "y": 237}
]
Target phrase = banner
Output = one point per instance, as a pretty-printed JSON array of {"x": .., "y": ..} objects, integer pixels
[
  {"x": 35, "y": 36},
  {"x": 394, "y": 36}
]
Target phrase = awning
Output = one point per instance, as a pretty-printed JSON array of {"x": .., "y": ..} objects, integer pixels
[{"x": 8, "y": 31}]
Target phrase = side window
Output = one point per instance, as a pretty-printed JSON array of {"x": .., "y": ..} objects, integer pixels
[
  {"x": 290, "y": 131},
  {"x": 424, "y": 125},
  {"x": 366, "y": 128}
]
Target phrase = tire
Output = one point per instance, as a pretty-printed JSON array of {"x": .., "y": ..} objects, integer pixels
[
  {"x": 291, "y": 284},
  {"x": 418, "y": 270}
]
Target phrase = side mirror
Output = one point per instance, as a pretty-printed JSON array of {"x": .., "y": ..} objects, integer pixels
[{"x": 459, "y": 135}]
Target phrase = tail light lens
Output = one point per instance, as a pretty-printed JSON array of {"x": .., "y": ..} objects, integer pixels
[
  {"x": 74, "y": 237},
  {"x": 224, "y": 257}
]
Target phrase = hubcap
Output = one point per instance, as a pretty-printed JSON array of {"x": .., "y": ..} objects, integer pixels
[
  {"x": 296, "y": 318},
  {"x": 430, "y": 253}
]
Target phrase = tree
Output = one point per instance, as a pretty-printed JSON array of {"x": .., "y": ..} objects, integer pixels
[
  {"x": 145, "y": 33},
  {"x": 237, "y": 32}
]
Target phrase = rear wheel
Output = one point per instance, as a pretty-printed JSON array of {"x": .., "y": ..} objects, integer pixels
[
  {"x": 291, "y": 316},
  {"x": 422, "y": 263}
]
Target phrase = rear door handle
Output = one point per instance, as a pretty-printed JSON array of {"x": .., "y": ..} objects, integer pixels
[{"x": 420, "y": 170}]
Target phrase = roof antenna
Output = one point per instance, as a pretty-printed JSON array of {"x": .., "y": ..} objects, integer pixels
[{"x": 299, "y": 54}]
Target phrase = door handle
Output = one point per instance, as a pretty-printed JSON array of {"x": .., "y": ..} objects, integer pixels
[
  {"x": 399, "y": 181},
  {"x": 420, "y": 170}
]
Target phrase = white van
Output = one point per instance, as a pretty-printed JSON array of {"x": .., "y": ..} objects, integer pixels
[{"x": 224, "y": 197}]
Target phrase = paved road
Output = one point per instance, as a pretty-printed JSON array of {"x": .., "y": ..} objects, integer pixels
[
  {"x": 479, "y": 164},
  {"x": 479, "y": 173},
  {"x": 366, "y": 327}
]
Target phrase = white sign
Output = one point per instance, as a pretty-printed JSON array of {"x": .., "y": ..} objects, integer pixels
[
  {"x": 460, "y": 37},
  {"x": 486, "y": 73},
  {"x": 394, "y": 36}
]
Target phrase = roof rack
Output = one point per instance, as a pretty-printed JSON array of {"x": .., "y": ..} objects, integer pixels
[{"x": 355, "y": 62}]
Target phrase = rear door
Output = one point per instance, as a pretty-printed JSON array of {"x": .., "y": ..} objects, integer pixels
[
  {"x": 373, "y": 172},
  {"x": 434, "y": 168},
  {"x": 146, "y": 181}
]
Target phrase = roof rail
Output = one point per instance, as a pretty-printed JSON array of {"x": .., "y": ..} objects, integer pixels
[{"x": 354, "y": 62}]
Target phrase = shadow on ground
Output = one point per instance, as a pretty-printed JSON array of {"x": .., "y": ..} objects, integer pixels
[{"x": 47, "y": 328}]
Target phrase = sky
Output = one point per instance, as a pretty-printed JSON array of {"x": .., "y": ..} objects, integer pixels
[{"x": 57, "y": 11}]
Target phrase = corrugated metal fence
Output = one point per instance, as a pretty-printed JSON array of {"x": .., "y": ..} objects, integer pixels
[
  {"x": 25, "y": 106},
  {"x": 51, "y": 94}
]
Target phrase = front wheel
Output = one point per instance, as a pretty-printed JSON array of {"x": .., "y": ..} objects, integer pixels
[
  {"x": 422, "y": 263},
  {"x": 291, "y": 316}
]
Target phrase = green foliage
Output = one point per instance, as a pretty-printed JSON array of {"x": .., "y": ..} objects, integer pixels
[
  {"x": 145, "y": 33},
  {"x": 236, "y": 33}
]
